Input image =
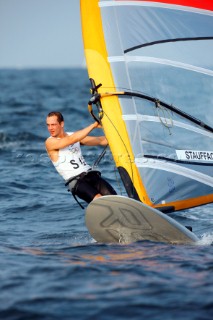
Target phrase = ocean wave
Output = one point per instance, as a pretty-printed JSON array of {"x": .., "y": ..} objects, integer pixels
[{"x": 19, "y": 137}]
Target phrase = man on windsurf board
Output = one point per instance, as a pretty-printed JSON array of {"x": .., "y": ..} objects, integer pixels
[{"x": 64, "y": 150}]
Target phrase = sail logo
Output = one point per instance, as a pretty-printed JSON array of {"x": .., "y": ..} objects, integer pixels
[{"x": 192, "y": 155}]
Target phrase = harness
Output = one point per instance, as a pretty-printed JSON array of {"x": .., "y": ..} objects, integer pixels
[{"x": 77, "y": 179}]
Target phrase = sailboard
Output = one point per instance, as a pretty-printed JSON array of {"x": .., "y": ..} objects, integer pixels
[
  {"x": 151, "y": 71},
  {"x": 118, "y": 219}
]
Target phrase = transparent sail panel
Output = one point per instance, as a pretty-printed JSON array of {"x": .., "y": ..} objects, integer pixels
[{"x": 165, "y": 53}]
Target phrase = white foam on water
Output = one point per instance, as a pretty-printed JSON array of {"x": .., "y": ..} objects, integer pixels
[{"x": 206, "y": 239}]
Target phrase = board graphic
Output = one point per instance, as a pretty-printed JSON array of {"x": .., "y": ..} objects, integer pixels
[{"x": 118, "y": 219}]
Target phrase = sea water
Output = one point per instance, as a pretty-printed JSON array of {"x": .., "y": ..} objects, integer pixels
[{"x": 50, "y": 267}]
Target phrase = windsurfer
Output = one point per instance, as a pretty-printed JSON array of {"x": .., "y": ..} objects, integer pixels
[{"x": 64, "y": 151}]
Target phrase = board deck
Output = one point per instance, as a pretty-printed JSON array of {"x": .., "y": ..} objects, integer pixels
[{"x": 118, "y": 219}]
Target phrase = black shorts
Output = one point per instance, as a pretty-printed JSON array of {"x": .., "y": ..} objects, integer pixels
[{"x": 91, "y": 184}]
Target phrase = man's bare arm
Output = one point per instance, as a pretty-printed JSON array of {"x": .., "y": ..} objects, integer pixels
[
  {"x": 78, "y": 136},
  {"x": 94, "y": 141}
]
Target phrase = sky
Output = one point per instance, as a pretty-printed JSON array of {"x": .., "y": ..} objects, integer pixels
[{"x": 40, "y": 33}]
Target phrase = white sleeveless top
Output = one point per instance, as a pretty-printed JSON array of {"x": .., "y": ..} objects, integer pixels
[{"x": 71, "y": 161}]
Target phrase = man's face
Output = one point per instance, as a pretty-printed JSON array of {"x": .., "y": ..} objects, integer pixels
[{"x": 54, "y": 127}]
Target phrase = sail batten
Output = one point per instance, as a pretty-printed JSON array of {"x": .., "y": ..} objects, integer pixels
[
  {"x": 174, "y": 168},
  {"x": 176, "y": 64},
  {"x": 154, "y": 61},
  {"x": 178, "y": 5},
  {"x": 157, "y": 42},
  {"x": 133, "y": 117}
]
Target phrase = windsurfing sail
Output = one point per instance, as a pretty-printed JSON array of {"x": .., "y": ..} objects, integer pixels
[{"x": 151, "y": 69}]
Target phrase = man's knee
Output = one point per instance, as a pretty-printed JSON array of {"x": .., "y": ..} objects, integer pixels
[{"x": 97, "y": 196}]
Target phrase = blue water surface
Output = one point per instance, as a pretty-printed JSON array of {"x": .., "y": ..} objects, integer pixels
[{"x": 50, "y": 267}]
